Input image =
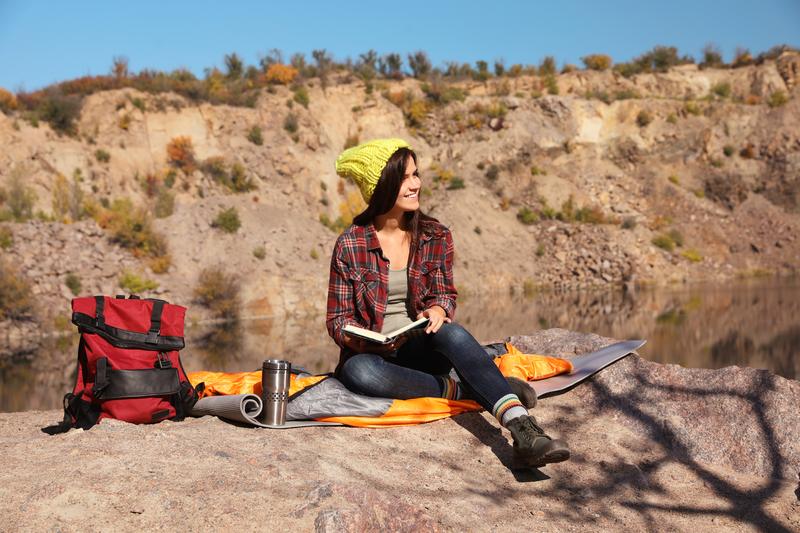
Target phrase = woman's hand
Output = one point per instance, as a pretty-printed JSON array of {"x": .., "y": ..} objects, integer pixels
[
  {"x": 436, "y": 317},
  {"x": 360, "y": 345}
]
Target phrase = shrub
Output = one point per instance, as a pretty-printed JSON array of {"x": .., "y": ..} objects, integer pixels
[
  {"x": 728, "y": 150},
  {"x": 227, "y": 220},
  {"x": 282, "y": 74},
  {"x": 180, "y": 153},
  {"x": 136, "y": 284},
  {"x": 239, "y": 180},
  {"x": 477, "y": 230},
  {"x": 664, "y": 242},
  {"x": 160, "y": 264},
  {"x": 527, "y": 216},
  {"x": 131, "y": 228},
  {"x": 777, "y": 99},
  {"x": 536, "y": 171},
  {"x": 590, "y": 215},
  {"x": 597, "y": 61},
  {"x": 255, "y": 136},
  {"x": 60, "y": 112},
  {"x": 218, "y": 292},
  {"x": 8, "y": 102},
  {"x": 629, "y": 223},
  {"x": 456, "y": 183},
  {"x": 259, "y": 252},
  {"x": 723, "y": 89},
  {"x": 492, "y": 172},
  {"x": 551, "y": 84},
  {"x": 691, "y": 108},
  {"x": 102, "y": 155},
  {"x": 672, "y": 118},
  {"x": 712, "y": 57},
  {"x": 692, "y": 255},
  {"x": 643, "y": 118},
  {"x": 6, "y": 238},
  {"x": 314, "y": 254},
  {"x": 301, "y": 96},
  {"x": 676, "y": 237},
  {"x": 73, "y": 283},
  {"x": 165, "y": 204},
  {"x": 18, "y": 199},
  {"x": 290, "y": 123},
  {"x": 16, "y": 300},
  {"x": 674, "y": 179}
]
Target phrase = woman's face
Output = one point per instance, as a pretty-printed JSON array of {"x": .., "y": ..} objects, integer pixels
[{"x": 408, "y": 197}]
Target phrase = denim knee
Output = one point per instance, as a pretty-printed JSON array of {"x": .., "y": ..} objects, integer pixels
[
  {"x": 451, "y": 335},
  {"x": 360, "y": 373}
]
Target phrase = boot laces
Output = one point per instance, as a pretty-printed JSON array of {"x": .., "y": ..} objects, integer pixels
[{"x": 529, "y": 428}]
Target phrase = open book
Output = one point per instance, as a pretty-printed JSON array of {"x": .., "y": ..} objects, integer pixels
[{"x": 380, "y": 338}]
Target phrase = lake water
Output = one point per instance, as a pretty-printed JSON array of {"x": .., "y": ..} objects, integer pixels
[{"x": 754, "y": 324}]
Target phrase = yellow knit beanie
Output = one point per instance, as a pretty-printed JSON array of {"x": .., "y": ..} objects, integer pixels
[{"x": 364, "y": 163}]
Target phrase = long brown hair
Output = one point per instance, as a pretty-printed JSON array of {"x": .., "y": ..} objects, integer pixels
[{"x": 385, "y": 195}]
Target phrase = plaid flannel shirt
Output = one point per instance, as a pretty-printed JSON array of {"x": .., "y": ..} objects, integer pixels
[{"x": 359, "y": 279}]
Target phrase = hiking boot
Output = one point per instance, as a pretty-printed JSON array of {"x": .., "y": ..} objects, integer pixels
[
  {"x": 524, "y": 392},
  {"x": 532, "y": 447}
]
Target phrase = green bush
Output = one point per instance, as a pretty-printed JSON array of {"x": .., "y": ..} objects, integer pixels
[
  {"x": 301, "y": 96},
  {"x": 16, "y": 300},
  {"x": 728, "y": 150},
  {"x": 643, "y": 118},
  {"x": 551, "y": 84},
  {"x": 492, "y": 172},
  {"x": 664, "y": 242},
  {"x": 236, "y": 180},
  {"x": 692, "y": 255},
  {"x": 6, "y": 238},
  {"x": 527, "y": 216},
  {"x": 73, "y": 283},
  {"x": 60, "y": 112},
  {"x": 676, "y": 237},
  {"x": 239, "y": 180},
  {"x": 102, "y": 155},
  {"x": 691, "y": 107},
  {"x": 777, "y": 99},
  {"x": 227, "y": 220},
  {"x": 136, "y": 284},
  {"x": 629, "y": 223},
  {"x": 674, "y": 179},
  {"x": 456, "y": 183},
  {"x": 290, "y": 123},
  {"x": 722, "y": 89},
  {"x": 255, "y": 136},
  {"x": 165, "y": 204},
  {"x": 131, "y": 228},
  {"x": 259, "y": 252},
  {"x": 597, "y": 61},
  {"x": 218, "y": 292},
  {"x": 17, "y": 200}
]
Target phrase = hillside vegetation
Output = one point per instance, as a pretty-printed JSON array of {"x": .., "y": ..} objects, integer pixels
[{"x": 659, "y": 170}]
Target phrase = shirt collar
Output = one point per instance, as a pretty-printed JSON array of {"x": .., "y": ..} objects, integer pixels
[{"x": 371, "y": 236}]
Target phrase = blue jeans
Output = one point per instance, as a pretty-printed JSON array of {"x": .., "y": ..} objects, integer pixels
[{"x": 412, "y": 370}]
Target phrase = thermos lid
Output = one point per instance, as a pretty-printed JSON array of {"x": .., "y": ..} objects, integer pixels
[{"x": 276, "y": 364}]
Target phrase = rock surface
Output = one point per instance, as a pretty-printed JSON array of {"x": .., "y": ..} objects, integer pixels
[{"x": 654, "y": 447}]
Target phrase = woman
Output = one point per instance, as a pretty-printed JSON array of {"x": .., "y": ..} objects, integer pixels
[{"x": 394, "y": 265}]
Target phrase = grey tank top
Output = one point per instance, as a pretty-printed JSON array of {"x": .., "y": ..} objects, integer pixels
[{"x": 396, "y": 315}]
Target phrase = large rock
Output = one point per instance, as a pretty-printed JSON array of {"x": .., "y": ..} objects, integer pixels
[{"x": 642, "y": 437}]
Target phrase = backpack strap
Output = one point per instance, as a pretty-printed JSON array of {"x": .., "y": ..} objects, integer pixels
[
  {"x": 155, "y": 321},
  {"x": 99, "y": 318}
]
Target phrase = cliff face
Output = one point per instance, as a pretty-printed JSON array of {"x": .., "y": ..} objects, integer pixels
[
  {"x": 659, "y": 155},
  {"x": 653, "y": 446}
]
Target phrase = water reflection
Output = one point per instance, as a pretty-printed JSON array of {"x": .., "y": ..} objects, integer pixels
[{"x": 756, "y": 324}]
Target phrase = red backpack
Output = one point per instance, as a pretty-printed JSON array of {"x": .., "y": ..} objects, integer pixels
[{"x": 128, "y": 363}]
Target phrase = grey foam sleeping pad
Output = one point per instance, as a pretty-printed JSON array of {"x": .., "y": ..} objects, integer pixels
[{"x": 330, "y": 398}]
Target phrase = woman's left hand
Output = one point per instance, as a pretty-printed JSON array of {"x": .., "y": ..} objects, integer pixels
[{"x": 436, "y": 317}]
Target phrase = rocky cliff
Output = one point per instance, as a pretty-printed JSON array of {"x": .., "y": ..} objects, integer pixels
[{"x": 665, "y": 177}]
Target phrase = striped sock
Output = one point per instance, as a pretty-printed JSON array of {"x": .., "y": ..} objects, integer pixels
[
  {"x": 451, "y": 389},
  {"x": 507, "y": 408}
]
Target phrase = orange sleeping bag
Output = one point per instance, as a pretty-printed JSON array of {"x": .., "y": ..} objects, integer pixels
[{"x": 401, "y": 412}]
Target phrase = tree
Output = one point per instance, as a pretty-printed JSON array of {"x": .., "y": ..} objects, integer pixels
[
  {"x": 712, "y": 57},
  {"x": 499, "y": 67},
  {"x": 234, "y": 65},
  {"x": 273, "y": 57},
  {"x": 366, "y": 66},
  {"x": 119, "y": 67},
  {"x": 419, "y": 64},
  {"x": 547, "y": 66},
  {"x": 391, "y": 66}
]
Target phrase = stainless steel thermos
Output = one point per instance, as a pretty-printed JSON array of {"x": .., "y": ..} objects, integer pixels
[{"x": 275, "y": 390}]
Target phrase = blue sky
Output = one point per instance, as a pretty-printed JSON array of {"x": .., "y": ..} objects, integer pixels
[{"x": 44, "y": 42}]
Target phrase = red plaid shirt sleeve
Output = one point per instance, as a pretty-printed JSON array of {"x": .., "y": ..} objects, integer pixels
[
  {"x": 341, "y": 310},
  {"x": 441, "y": 282}
]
